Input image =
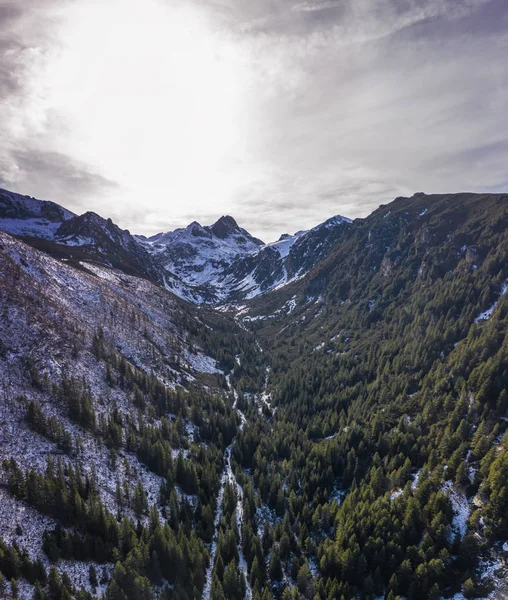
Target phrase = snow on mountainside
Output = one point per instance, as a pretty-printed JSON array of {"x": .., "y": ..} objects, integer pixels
[
  {"x": 59, "y": 323},
  {"x": 86, "y": 229},
  {"x": 279, "y": 263},
  {"x": 25, "y": 216},
  {"x": 22, "y": 215},
  {"x": 89, "y": 297},
  {"x": 284, "y": 244},
  {"x": 64, "y": 235},
  {"x": 216, "y": 264},
  {"x": 223, "y": 263},
  {"x": 106, "y": 240},
  {"x": 197, "y": 256}
]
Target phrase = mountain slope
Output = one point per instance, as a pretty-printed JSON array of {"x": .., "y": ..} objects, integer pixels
[
  {"x": 353, "y": 445},
  {"x": 386, "y": 402},
  {"x": 217, "y": 264},
  {"x": 105, "y": 386},
  {"x": 278, "y": 263},
  {"x": 25, "y": 216},
  {"x": 102, "y": 241},
  {"x": 88, "y": 237}
]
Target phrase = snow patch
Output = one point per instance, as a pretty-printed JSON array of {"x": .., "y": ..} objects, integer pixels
[
  {"x": 396, "y": 493},
  {"x": 201, "y": 363},
  {"x": 485, "y": 315},
  {"x": 460, "y": 507}
]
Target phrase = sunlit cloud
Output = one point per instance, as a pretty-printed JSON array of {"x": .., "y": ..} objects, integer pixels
[{"x": 281, "y": 113}]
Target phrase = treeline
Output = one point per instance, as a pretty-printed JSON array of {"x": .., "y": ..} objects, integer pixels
[
  {"x": 15, "y": 565},
  {"x": 145, "y": 555},
  {"x": 410, "y": 393}
]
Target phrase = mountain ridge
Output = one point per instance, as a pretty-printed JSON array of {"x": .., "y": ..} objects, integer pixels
[
  {"x": 215, "y": 264},
  {"x": 344, "y": 435}
]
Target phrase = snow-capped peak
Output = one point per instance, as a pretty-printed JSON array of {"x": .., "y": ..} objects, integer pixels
[
  {"x": 25, "y": 216},
  {"x": 90, "y": 229},
  {"x": 332, "y": 222},
  {"x": 214, "y": 263},
  {"x": 225, "y": 226},
  {"x": 284, "y": 244},
  {"x": 225, "y": 229}
]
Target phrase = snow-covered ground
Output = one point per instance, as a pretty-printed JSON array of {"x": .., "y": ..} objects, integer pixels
[
  {"x": 338, "y": 495},
  {"x": 51, "y": 315},
  {"x": 14, "y": 513},
  {"x": 396, "y": 493},
  {"x": 32, "y": 523},
  {"x": 461, "y": 508},
  {"x": 264, "y": 399},
  {"x": 200, "y": 362},
  {"x": 416, "y": 479},
  {"x": 485, "y": 315},
  {"x": 29, "y": 216}
]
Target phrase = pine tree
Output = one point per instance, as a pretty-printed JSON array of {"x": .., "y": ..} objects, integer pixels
[
  {"x": 275, "y": 568},
  {"x": 140, "y": 504},
  {"x": 14, "y": 588},
  {"x": 92, "y": 577}
]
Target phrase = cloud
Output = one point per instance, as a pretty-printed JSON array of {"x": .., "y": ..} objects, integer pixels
[
  {"x": 311, "y": 7},
  {"x": 381, "y": 107},
  {"x": 281, "y": 113},
  {"x": 61, "y": 177},
  {"x": 30, "y": 127}
]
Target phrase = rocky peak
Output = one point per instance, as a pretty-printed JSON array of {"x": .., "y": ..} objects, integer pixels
[
  {"x": 197, "y": 230},
  {"x": 225, "y": 227}
]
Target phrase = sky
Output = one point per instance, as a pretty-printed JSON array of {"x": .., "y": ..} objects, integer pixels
[{"x": 280, "y": 113}]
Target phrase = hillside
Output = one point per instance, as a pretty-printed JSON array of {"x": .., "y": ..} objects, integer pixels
[
  {"x": 340, "y": 435},
  {"x": 388, "y": 375},
  {"x": 96, "y": 430},
  {"x": 217, "y": 264}
]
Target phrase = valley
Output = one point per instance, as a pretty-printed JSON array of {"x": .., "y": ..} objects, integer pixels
[{"x": 200, "y": 415}]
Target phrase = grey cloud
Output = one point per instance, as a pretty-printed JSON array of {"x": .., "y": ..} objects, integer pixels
[
  {"x": 63, "y": 180},
  {"x": 384, "y": 109},
  {"x": 313, "y": 7},
  {"x": 295, "y": 207},
  {"x": 27, "y": 164},
  {"x": 11, "y": 50},
  {"x": 351, "y": 103},
  {"x": 355, "y": 19}
]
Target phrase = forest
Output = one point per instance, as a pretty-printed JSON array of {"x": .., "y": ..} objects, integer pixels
[{"x": 354, "y": 448}]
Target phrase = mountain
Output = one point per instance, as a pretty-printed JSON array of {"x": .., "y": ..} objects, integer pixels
[
  {"x": 109, "y": 384},
  {"x": 409, "y": 243},
  {"x": 277, "y": 264},
  {"x": 217, "y": 264},
  {"x": 196, "y": 257},
  {"x": 103, "y": 242},
  {"x": 85, "y": 238},
  {"x": 343, "y": 434},
  {"x": 223, "y": 263},
  {"x": 386, "y": 395},
  {"x": 25, "y": 216}
]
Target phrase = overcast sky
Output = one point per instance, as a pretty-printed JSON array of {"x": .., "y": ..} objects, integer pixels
[{"x": 279, "y": 112}]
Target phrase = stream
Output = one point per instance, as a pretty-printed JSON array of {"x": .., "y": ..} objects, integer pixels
[{"x": 228, "y": 476}]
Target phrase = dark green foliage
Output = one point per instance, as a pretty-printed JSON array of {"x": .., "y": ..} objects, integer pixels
[
  {"x": 398, "y": 295},
  {"x": 378, "y": 375},
  {"x": 50, "y": 427}
]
